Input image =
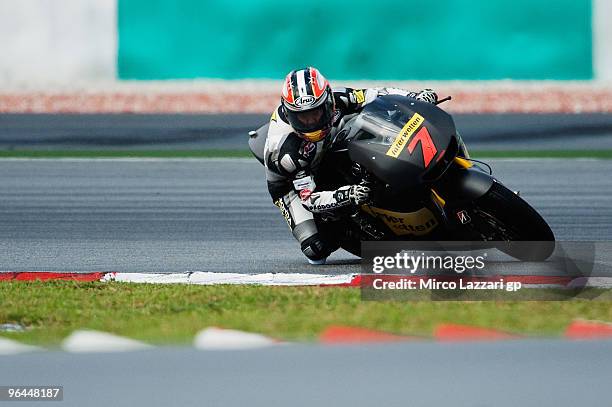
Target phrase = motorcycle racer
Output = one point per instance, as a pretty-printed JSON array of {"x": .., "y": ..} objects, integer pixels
[{"x": 301, "y": 130}]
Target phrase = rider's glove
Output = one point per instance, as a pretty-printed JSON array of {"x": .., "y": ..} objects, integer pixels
[
  {"x": 329, "y": 201},
  {"x": 355, "y": 194},
  {"x": 427, "y": 95}
]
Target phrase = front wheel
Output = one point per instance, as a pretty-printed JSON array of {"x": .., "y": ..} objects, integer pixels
[{"x": 508, "y": 218}]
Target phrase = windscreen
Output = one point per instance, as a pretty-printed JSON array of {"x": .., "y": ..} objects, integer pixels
[{"x": 382, "y": 120}]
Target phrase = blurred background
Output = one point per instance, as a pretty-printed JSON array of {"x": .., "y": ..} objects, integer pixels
[
  {"x": 71, "y": 40},
  {"x": 222, "y": 64},
  {"x": 215, "y": 57}
]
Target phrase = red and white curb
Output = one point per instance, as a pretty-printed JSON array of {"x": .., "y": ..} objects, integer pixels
[
  {"x": 210, "y": 278},
  {"x": 219, "y": 339},
  {"x": 44, "y": 276},
  {"x": 86, "y": 341},
  {"x": 468, "y": 333},
  {"x": 230, "y": 97},
  {"x": 577, "y": 330},
  {"x": 292, "y": 279},
  {"x": 201, "y": 278},
  {"x": 338, "y": 334},
  {"x": 11, "y": 347},
  {"x": 583, "y": 330},
  {"x": 230, "y": 339}
]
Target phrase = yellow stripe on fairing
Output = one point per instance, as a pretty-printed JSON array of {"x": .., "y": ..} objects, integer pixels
[
  {"x": 463, "y": 162},
  {"x": 404, "y": 135}
]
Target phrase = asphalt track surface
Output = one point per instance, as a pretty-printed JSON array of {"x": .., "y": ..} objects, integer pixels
[
  {"x": 215, "y": 215},
  {"x": 228, "y": 131},
  {"x": 503, "y": 374},
  {"x": 150, "y": 215}
]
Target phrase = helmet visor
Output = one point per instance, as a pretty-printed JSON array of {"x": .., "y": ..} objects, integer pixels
[{"x": 311, "y": 121}]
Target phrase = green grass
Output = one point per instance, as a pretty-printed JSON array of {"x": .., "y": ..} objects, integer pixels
[
  {"x": 172, "y": 314},
  {"x": 602, "y": 154}
]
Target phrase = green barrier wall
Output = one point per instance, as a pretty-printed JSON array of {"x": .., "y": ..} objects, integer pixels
[{"x": 359, "y": 39}]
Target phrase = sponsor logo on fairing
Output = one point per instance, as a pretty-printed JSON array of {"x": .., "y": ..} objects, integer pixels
[
  {"x": 463, "y": 217},
  {"x": 420, "y": 222},
  {"x": 401, "y": 139},
  {"x": 359, "y": 96},
  {"x": 427, "y": 145}
]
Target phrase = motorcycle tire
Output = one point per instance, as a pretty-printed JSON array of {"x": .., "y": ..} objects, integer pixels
[{"x": 517, "y": 223}]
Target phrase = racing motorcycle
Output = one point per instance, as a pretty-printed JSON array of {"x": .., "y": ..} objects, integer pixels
[{"x": 424, "y": 184}]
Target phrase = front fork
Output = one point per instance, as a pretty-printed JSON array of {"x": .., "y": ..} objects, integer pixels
[
  {"x": 454, "y": 194},
  {"x": 463, "y": 151}
]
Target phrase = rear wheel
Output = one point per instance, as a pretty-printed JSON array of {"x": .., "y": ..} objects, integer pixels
[{"x": 504, "y": 216}]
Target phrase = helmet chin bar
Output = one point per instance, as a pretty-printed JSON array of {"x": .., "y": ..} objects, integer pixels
[{"x": 315, "y": 136}]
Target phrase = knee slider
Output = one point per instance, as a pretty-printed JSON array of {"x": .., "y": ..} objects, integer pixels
[{"x": 314, "y": 248}]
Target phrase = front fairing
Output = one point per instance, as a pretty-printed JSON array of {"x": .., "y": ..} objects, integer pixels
[{"x": 402, "y": 141}]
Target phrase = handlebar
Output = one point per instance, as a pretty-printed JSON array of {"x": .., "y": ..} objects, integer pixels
[{"x": 443, "y": 100}]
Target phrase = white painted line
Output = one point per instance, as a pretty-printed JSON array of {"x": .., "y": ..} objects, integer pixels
[
  {"x": 210, "y": 278},
  {"x": 11, "y": 347},
  {"x": 229, "y": 339},
  {"x": 95, "y": 341}
]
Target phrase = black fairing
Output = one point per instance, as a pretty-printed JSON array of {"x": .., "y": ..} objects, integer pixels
[
  {"x": 370, "y": 135},
  {"x": 257, "y": 142}
]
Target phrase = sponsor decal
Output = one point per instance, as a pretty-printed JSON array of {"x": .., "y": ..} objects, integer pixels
[
  {"x": 326, "y": 206},
  {"x": 281, "y": 205},
  {"x": 427, "y": 145},
  {"x": 305, "y": 194},
  {"x": 304, "y": 100},
  {"x": 404, "y": 135},
  {"x": 337, "y": 114},
  {"x": 416, "y": 223},
  {"x": 341, "y": 196},
  {"x": 304, "y": 183},
  {"x": 309, "y": 148},
  {"x": 273, "y": 117},
  {"x": 359, "y": 95},
  {"x": 463, "y": 217}
]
